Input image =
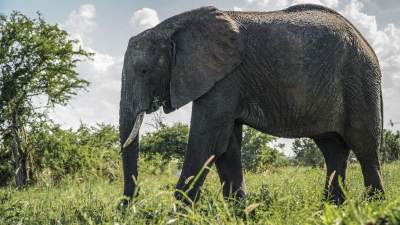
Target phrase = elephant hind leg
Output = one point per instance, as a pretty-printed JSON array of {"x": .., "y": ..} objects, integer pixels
[
  {"x": 335, "y": 152},
  {"x": 366, "y": 148}
]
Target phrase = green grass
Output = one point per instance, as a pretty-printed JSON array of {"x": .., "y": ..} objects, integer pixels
[{"x": 280, "y": 196}]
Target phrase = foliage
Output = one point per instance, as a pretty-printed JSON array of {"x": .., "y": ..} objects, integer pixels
[
  {"x": 166, "y": 144},
  {"x": 307, "y": 152},
  {"x": 37, "y": 62},
  {"x": 57, "y": 153},
  {"x": 287, "y": 195},
  {"x": 390, "y": 150},
  {"x": 257, "y": 154},
  {"x": 5, "y": 165}
]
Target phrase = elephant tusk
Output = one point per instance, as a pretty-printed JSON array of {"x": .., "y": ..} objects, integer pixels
[{"x": 135, "y": 130}]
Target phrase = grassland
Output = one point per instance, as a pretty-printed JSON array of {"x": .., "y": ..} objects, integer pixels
[{"x": 279, "y": 196}]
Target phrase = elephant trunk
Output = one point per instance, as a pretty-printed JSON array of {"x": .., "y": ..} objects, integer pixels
[
  {"x": 130, "y": 119},
  {"x": 130, "y": 150}
]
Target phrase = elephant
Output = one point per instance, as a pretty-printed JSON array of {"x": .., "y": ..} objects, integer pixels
[{"x": 303, "y": 71}]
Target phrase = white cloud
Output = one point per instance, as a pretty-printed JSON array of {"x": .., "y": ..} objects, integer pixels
[
  {"x": 143, "y": 19},
  {"x": 80, "y": 25},
  {"x": 81, "y": 22},
  {"x": 366, "y": 23},
  {"x": 235, "y": 8},
  {"x": 102, "y": 62},
  {"x": 260, "y": 5},
  {"x": 100, "y": 103},
  {"x": 259, "y": 2}
]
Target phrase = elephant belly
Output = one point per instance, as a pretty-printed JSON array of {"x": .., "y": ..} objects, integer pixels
[{"x": 296, "y": 111}]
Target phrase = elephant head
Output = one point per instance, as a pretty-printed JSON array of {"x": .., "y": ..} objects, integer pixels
[{"x": 170, "y": 65}]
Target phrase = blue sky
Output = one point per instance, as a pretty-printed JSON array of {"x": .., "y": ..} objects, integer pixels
[{"x": 105, "y": 26}]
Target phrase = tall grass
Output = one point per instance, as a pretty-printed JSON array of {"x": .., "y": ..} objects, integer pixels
[{"x": 279, "y": 196}]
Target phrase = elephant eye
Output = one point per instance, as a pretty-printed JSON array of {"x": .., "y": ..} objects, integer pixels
[{"x": 144, "y": 71}]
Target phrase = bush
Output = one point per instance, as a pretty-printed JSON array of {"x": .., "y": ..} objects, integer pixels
[
  {"x": 257, "y": 154},
  {"x": 167, "y": 144},
  {"x": 6, "y": 169},
  {"x": 307, "y": 152},
  {"x": 390, "y": 150},
  {"x": 55, "y": 152},
  {"x": 88, "y": 149}
]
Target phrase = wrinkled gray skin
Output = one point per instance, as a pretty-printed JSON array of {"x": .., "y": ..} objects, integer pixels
[{"x": 300, "y": 72}]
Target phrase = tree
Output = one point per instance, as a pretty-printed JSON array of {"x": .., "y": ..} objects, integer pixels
[
  {"x": 390, "y": 150},
  {"x": 166, "y": 144},
  {"x": 307, "y": 152},
  {"x": 257, "y": 154},
  {"x": 37, "y": 61}
]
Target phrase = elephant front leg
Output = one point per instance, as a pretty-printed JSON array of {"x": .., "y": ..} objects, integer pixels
[
  {"x": 229, "y": 166},
  {"x": 209, "y": 137}
]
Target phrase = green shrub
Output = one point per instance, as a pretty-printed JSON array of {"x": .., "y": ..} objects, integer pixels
[
  {"x": 390, "y": 149},
  {"x": 166, "y": 144},
  {"x": 257, "y": 154},
  {"x": 307, "y": 153},
  {"x": 56, "y": 152},
  {"x": 6, "y": 172}
]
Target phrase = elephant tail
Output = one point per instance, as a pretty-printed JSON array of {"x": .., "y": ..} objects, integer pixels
[{"x": 382, "y": 131}]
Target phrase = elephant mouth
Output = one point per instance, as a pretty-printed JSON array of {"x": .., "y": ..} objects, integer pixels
[
  {"x": 155, "y": 104},
  {"x": 168, "y": 108}
]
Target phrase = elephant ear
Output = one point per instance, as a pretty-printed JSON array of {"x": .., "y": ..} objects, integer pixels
[{"x": 207, "y": 49}]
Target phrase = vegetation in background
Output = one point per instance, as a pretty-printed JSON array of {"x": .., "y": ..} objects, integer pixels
[
  {"x": 166, "y": 144},
  {"x": 307, "y": 153},
  {"x": 37, "y": 62},
  {"x": 257, "y": 152},
  {"x": 56, "y": 153},
  {"x": 390, "y": 150}
]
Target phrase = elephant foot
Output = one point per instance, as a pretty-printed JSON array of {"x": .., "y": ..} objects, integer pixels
[
  {"x": 336, "y": 197},
  {"x": 334, "y": 200},
  {"x": 373, "y": 194},
  {"x": 188, "y": 197},
  {"x": 123, "y": 204},
  {"x": 126, "y": 201}
]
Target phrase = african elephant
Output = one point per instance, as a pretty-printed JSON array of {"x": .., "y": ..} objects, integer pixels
[{"x": 304, "y": 71}]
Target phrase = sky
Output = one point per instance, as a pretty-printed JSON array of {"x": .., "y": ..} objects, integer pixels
[{"x": 104, "y": 27}]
